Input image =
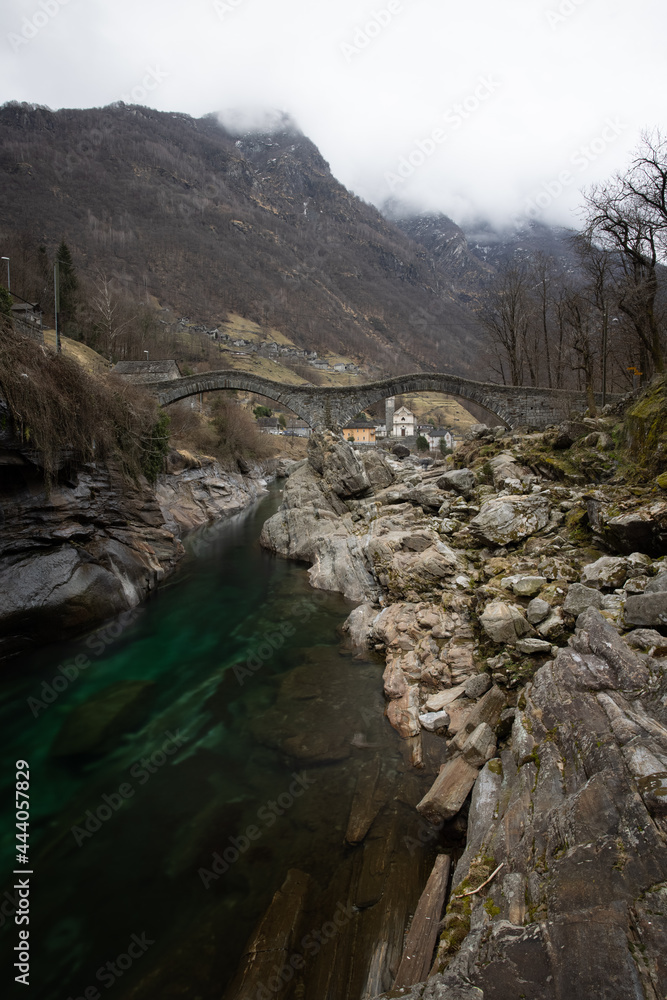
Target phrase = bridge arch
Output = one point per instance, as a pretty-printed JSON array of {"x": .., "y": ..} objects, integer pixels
[
  {"x": 333, "y": 406},
  {"x": 191, "y": 385}
]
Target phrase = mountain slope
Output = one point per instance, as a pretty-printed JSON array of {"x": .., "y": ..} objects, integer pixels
[{"x": 212, "y": 223}]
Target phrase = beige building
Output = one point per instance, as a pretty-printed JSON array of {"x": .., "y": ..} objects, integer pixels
[{"x": 404, "y": 423}]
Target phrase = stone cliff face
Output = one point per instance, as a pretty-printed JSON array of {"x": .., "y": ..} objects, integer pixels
[
  {"x": 524, "y": 626},
  {"x": 95, "y": 545}
]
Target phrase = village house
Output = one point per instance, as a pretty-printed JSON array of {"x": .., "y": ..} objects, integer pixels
[
  {"x": 436, "y": 436},
  {"x": 269, "y": 425},
  {"x": 359, "y": 432},
  {"x": 144, "y": 371},
  {"x": 28, "y": 318},
  {"x": 297, "y": 428}
]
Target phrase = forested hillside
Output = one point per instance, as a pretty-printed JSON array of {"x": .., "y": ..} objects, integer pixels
[{"x": 177, "y": 211}]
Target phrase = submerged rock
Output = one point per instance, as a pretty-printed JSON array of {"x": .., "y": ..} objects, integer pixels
[{"x": 96, "y": 726}]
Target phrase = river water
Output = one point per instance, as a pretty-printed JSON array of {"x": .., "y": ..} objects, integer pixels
[{"x": 244, "y": 763}]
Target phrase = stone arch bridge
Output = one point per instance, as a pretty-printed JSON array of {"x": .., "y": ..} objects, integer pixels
[{"x": 334, "y": 406}]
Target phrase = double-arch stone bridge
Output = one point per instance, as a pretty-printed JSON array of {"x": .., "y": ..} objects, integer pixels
[{"x": 334, "y": 406}]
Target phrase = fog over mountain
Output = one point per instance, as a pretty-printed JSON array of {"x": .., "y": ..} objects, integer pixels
[{"x": 485, "y": 110}]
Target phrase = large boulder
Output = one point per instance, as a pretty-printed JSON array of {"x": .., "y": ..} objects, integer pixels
[
  {"x": 338, "y": 464},
  {"x": 477, "y": 431},
  {"x": 658, "y": 585},
  {"x": 568, "y": 432},
  {"x": 359, "y": 623},
  {"x": 643, "y": 529},
  {"x": 606, "y": 573},
  {"x": 504, "y": 623},
  {"x": 510, "y": 519},
  {"x": 461, "y": 481},
  {"x": 646, "y": 611},
  {"x": 580, "y": 597},
  {"x": 320, "y": 538},
  {"x": 378, "y": 469}
]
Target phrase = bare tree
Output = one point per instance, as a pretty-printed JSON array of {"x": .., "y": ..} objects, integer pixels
[
  {"x": 625, "y": 218},
  {"x": 108, "y": 309},
  {"x": 507, "y": 320},
  {"x": 647, "y": 182},
  {"x": 583, "y": 339}
]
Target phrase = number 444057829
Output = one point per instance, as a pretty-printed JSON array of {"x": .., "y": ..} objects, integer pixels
[{"x": 22, "y": 810}]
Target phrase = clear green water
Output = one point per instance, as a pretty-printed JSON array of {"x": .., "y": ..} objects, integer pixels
[{"x": 140, "y": 872}]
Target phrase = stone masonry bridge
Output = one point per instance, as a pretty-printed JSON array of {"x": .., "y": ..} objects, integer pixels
[{"x": 334, "y": 406}]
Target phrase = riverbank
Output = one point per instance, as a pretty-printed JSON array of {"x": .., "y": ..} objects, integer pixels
[
  {"x": 241, "y": 660},
  {"x": 521, "y": 608},
  {"x": 95, "y": 543}
]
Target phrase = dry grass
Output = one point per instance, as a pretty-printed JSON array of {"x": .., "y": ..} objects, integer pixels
[
  {"x": 86, "y": 356},
  {"x": 63, "y": 411},
  {"x": 226, "y": 431}
]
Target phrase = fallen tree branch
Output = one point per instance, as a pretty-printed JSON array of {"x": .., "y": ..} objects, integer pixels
[{"x": 473, "y": 892}]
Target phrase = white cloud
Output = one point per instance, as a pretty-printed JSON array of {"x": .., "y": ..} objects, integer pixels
[{"x": 367, "y": 82}]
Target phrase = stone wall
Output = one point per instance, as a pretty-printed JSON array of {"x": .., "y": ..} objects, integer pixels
[{"x": 333, "y": 406}]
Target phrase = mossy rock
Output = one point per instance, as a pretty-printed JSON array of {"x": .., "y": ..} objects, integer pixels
[
  {"x": 646, "y": 425},
  {"x": 661, "y": 481}
]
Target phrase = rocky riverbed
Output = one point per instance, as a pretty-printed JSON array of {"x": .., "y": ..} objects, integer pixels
[
  {"x": 521, "y": 607},
  {"x": 95, "y": 544}
]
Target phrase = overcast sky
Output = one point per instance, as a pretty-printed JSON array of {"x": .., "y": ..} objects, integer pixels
[{"x": 479, "y": 109}]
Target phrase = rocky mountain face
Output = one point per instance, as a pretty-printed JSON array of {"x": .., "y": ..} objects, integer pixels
[
  {"x": 448, "y": 245},
  {"x": 210, "y": 222},
  {"x": 469, "y": 257},
  {"x": 95, "y": 545},
  {"x": 520, "y": 602},
  {"x": 496, "y": 247}
]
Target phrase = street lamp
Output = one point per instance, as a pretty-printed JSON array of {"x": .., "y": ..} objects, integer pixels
[
  {"x": 9, "y": 287},
  {"x": 605, "y": 324}
]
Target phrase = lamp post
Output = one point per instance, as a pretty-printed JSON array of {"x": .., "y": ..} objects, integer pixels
[
  {"x": 605, "y": 327},
  {"x": 9, "y": 287}
]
